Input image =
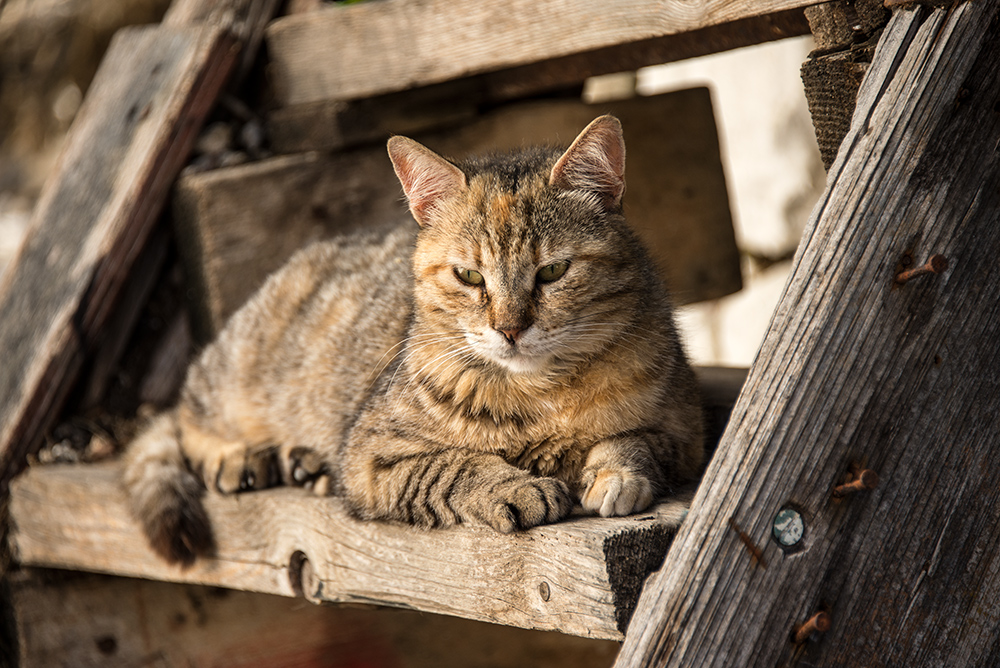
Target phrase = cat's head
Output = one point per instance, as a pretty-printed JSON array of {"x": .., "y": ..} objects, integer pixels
[{"x": 524, "y": 258}]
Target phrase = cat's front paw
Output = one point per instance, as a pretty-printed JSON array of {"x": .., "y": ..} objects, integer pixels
[
  {"x": 304, "y": 467},
  {"x": 611, "y": 492},
  {"x": 526, "y": 502},
  {"x": 242, "y": 469}
]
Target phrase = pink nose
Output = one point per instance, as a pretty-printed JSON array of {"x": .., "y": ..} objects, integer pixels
[{"x": 511, "y": 335}]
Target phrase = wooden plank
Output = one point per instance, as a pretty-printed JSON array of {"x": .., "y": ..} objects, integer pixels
[
  {"x": 579, "y": 577},
  {"x": 239, "y": 224},
  {"x": 845, "y": 37},
  {"x": 95, "y": 620},
  {"x": 358, "y": 51},
  {"x": 127, "y": 143},
  {"x": 245, "y": 19},
  {"x": 335, "y": 123},
  {"x": 856, "y": 368}
]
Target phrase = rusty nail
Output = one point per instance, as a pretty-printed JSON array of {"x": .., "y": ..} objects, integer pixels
[
  {"x": 866, "y": 479},
  {"x": 755, "y": 552},
  {"x": 819, "y": 622},
  {"x": 935, "y": 265}
]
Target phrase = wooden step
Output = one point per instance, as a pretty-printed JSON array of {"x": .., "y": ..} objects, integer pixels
[{"x": 581, "y": 577}]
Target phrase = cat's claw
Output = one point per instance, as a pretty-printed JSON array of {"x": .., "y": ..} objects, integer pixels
[
  {"x": 613, "y": 492},
  {"x": 528, "y": 502}
]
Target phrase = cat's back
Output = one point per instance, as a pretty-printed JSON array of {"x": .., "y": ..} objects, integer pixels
[{"x": 304, "y": 350}]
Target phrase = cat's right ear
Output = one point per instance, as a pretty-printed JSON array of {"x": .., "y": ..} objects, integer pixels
[
  {"x": 595, "y": 162},
  {"x": 427, "y": 178}
]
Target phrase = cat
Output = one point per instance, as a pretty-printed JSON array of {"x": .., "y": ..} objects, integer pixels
[{"x": 512, "y": 353}]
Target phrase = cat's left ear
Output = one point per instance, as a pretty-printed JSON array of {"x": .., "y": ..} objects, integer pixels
[
  {"x": 595, "y": 162},
  {"x": 427, "y": 178}
]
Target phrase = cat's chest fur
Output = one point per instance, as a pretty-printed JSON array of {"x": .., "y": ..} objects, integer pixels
[{"x": 538, "y": 423}]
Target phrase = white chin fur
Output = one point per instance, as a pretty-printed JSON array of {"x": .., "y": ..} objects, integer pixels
[
  {"x": 515, "y": 361},
  {"x": 523, "y": 364}
]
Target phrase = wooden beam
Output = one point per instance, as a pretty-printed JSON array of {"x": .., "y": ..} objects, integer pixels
[
  {"x": 131, "y": 137},
  {"x": 860, "y": 370},
  {"x": 580, "y": 577},
  {"x": 94, "y": 620},
  {"x": 246, "y": 20},
  {"x": 345, "y": 53}
]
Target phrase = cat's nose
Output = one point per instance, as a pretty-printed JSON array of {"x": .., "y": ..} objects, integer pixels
[{"x": 512, "y": 334}]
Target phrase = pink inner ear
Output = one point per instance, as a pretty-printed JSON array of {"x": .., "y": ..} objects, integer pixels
[
  {"x": 595, "y": 162},
  {"x": 427, "y": 178}
]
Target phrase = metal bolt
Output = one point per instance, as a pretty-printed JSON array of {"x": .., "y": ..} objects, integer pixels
[
  {"x": 866, "y": 479},
  {"x": 935, "y": 265},
  {"x": 788, "y": 527},
  {"x": 818, "y": 623}
]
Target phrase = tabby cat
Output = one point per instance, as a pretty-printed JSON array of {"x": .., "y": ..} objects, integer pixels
[{"x": 512, "y": 353}]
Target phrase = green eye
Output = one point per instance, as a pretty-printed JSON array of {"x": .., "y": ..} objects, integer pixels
[
  {"x": 470, "y": 276},
  {"x": 553, "y": 272}
]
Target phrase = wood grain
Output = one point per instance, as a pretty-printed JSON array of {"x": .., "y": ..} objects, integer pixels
[
  {"x": 858, "y": 370},
  {"x": 93, "y": 620},
  {"x": 368, "y": 49},
  {"x": 580, "y": 577},
  {"x": 94, "y": 215}
]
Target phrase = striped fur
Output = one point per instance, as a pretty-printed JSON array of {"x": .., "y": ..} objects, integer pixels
[{"x": 369, "y": 368}]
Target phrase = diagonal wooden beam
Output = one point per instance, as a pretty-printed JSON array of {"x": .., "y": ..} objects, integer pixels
[
  {"x": 859, "y": 370},
  {"x": 130, "y": 139}
]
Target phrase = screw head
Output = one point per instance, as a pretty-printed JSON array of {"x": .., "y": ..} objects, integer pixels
[{"x": 788, "y": 527}]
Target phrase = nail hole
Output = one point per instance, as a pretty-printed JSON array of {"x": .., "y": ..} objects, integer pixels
[
  {"x": 295, "y": 567},
  {"x": 106, "y": 645},
  {"x": 544, "y": 591}
]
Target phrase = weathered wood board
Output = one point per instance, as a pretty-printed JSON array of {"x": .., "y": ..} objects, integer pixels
[
  {"x": 239, "y": 224},
  {"x": 328, "y": 124},
  {"x": 246, "y": 19},
  {"x": 344, "y": 53},
  {"x": 88, "y": 620},
  {"x": 127, "y": 143},
  {"x": 580, "y": 577},
  {"x": 858, "y": 369}
]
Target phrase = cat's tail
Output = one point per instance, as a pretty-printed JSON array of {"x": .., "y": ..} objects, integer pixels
[{"x": 165, "y": 495}]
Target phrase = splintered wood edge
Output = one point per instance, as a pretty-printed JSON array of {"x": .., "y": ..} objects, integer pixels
[{"x": 581, "y": 577}]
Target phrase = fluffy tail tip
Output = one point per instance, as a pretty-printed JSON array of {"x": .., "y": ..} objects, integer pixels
[{"x": 166, "y": 496}]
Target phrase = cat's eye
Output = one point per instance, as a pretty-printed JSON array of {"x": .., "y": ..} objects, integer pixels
[
  {"x": 552, "y": 272},
  {"x": 469, "y": 276}
]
